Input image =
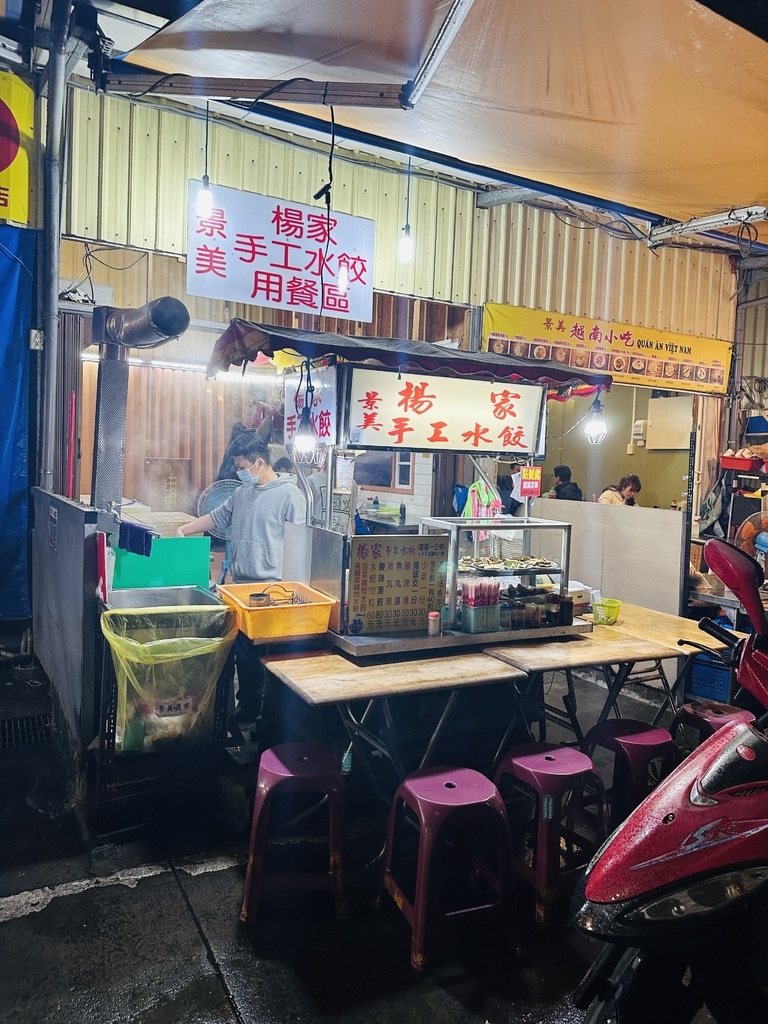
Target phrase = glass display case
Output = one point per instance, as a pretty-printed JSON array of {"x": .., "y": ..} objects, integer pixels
[{"x": 516, "y": 551}]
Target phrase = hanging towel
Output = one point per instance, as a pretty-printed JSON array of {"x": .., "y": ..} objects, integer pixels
[
  {"x": 135, "y": 538},
  {"x": 481, "y": 503}
]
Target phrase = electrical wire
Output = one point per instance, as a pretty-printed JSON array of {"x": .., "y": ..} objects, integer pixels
[
  {"x": 13, "y": 256},
  {"x": 270, "y": 92},
  {"x": 326, "y": 193},
  {"x": 89, "y": 258}
]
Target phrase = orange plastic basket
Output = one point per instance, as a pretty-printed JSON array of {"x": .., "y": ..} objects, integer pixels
[{"x": 300, "y": 610}]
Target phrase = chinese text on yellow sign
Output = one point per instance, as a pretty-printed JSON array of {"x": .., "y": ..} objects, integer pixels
[
  {"x": 632, "y": 355},
  {"x": 394, "y": 582}
]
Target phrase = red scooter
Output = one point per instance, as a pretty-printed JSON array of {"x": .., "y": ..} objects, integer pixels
[{"x": 679, "y": 892}]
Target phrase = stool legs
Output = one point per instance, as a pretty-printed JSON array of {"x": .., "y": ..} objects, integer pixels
[
  {"x": 555, "y": 780},
  {"x": 637, "y": 748},
  {"x": 463, "y": 806},
  {"x": 296, "y": 768}
]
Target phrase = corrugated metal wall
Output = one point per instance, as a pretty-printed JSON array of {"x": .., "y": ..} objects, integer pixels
[
  {"x": 128, "y": 165},
  {"x": 755, "y": 352}
]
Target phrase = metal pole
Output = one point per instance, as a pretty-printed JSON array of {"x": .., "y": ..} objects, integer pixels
[{"x": 57, "y": 84}]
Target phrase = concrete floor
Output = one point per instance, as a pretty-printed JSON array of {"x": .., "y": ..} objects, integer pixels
[{"x": 147, "y": 932}]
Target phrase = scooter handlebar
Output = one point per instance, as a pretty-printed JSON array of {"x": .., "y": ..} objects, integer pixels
[{"x": 725, "y": 636}]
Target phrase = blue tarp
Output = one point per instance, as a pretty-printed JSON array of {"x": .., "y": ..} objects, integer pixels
[{"x": 17, "y": 262}]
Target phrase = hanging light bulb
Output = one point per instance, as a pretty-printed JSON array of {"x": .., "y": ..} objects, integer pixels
[
  {"x": 305, "y": 440},
  {"x": 595, "y": 427},
  {"x": 342, "y": 282},
  {"x": 405, "y": 246},
  {"x": 204, "y": 203}
]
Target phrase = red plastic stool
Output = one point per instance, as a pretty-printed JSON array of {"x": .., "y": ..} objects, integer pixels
[
  {"x": 296, "y": 768},
  {"x": 552, "y": 787},
  {"x": 705, "y": 717},
  {"x": 462, "y": 851},
  {"x": 643, "y": 755}
]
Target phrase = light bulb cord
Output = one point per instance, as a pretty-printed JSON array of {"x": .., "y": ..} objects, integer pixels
[
  {"x": 408, "y": 199},
  {"x": 207, "y": 115}
]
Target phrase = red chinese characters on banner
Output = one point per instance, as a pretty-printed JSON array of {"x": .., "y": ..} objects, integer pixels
[
  {"x": 370, "y": 406},
  {"x": 416, "y": 412},
  {"x": 293, "y": 257}
]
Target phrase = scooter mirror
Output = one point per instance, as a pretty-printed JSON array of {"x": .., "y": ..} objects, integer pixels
[{"x": 741, "y": 574}]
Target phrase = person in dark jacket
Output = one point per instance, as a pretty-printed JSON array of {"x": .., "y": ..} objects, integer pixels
[{"x": 565, "y": 488}]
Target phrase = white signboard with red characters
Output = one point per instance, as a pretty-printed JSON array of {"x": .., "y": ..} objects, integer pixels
[
  {"x": 268, "y": 252},
  {"x": 323, "y": 414},
  {"x": 425, "y": 413}
]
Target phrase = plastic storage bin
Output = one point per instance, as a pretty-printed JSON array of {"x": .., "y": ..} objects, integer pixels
[
  {"x": 710, "y": 679},
  {"x": 298, "y": 610},
  {"x": 742, "y": 465},
  {"x": 167, "y": 665},
  {"x": 480, "y": 618}
]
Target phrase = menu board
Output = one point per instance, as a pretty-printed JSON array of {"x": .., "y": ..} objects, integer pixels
[
  {"x": 395, "y": 581},
  {"x": 631, "y": 354}
]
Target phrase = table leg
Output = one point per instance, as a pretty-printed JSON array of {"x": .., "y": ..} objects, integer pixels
[
  {"x": 615, "y": 684},
  {"x": 517, "y": 720},
  {"x": 450, "y": 704},
  {"x": 569, "y": 700},
  {"x": 669, "y": 700},
  {"x": 363, "y": 740}
]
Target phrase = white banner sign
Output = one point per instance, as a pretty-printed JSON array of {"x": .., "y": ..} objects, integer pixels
[
  {"x": 268, "y": 252},
  {"x": 323, "y": 415},
  {"x": 406, "y": 410}
]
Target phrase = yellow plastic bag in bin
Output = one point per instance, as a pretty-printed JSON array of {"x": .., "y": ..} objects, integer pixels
[{"x": 167, "y": 663}]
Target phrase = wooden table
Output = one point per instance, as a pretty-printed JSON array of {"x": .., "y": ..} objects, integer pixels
[
  {"x": 320, "y": 677},
  {"x": 662, "y": 626},
  {"x": 639, "y": 635},
  {"x": 670, "y": 629},
  {"x": 604, "y": 648}
]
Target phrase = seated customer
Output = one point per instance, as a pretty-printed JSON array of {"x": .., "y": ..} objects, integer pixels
[
  {"x": 622, "y": 493},
  {"x": 564, "y": 488},
  {"x": 509, "y": 492}
]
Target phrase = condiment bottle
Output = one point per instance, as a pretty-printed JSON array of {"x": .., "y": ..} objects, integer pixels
[
  {"x": 433, "y": 624},
  {"x": 566, "y": 610},
  {"x": 445, "y": 619},
  {"x": 552, "y": 608},
  {"x": 518, "y": 615},
  {"x": 532, "y": 615},
  {"x": 402, "y": 512}
]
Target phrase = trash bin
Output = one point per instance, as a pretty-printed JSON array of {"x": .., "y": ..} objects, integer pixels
[{"x": 167, "y": 663}]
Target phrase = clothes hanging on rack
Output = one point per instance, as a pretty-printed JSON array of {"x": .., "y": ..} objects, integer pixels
[{"x": 482, "y": 503}]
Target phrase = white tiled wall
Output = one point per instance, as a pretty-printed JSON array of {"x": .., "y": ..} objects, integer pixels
[{"x": 420, "y": 502}]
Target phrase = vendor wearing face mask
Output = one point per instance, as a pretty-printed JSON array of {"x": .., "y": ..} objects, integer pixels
[{"x": 257, "y": 513}]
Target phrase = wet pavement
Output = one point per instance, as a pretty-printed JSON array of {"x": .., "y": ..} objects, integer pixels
[{"x": 147, "y": 932}]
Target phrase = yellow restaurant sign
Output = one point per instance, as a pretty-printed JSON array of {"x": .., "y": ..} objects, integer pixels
[
  {"x": 17, "y": 121},
  {"x": 632, "y": 355}
]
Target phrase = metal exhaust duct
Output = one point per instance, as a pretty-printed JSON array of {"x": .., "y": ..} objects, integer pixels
[{"x": 116, "y": 331}]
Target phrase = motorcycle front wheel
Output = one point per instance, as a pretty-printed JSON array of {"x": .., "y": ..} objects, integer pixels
[{"x": 646, "y": 987}]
